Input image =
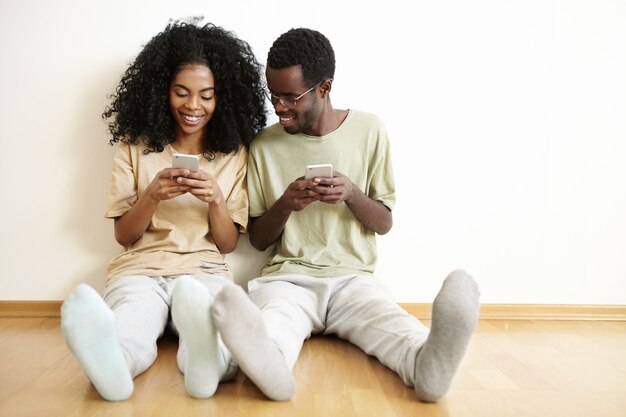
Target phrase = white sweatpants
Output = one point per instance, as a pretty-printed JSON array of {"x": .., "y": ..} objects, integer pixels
[
  {"x": 355, "y": 308},
  {"x": 142, "y": 310}
]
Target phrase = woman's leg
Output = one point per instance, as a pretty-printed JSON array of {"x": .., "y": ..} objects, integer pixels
[
  {"x": 141, "y": 308},
  {"x": 201, "y": 357},
  {"x": 113, "y": 343}
]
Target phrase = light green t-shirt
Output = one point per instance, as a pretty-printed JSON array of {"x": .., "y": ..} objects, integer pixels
[
  {"x": 323, "y": 240},
  {"x": 178, "y": 239}
]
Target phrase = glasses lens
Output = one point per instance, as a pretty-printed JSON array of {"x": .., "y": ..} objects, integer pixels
[{"x": 288, "y": 102}]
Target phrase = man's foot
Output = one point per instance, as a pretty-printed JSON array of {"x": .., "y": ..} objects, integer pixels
[
  {"x": 454, "y": 317},
  {"x": 241, "y": 325}
]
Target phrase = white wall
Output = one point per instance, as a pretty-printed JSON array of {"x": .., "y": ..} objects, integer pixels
[{"x": 507, "y": 121}]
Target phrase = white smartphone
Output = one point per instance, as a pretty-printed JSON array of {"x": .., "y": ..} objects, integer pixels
[
  {"x": 319, "y": 171},
  {"x": 181, "y": 160}
]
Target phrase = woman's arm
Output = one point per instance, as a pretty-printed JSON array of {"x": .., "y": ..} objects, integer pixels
[
  {"x": 131, "y": 225},
  {"x": 224, "y": 231}
]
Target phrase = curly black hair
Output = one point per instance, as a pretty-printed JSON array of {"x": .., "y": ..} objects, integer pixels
[
  {"x": 140, "y": 105},
  {"x": 307, "y": 48}
]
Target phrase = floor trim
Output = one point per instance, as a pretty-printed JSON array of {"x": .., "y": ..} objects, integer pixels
[
  {"x": 30, "y": 308},
  {"x": 421, "y": 310},
  {"x": 535, "y": 311}
]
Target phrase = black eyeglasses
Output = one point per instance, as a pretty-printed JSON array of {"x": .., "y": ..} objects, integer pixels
[{"x": 289, "y": 102}]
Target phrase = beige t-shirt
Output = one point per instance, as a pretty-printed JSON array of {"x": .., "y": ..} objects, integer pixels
[
  {"x": 322, "y": 240},
  {"x": 177, "y": 240}
]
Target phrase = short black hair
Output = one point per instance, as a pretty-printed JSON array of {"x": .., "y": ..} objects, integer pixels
[
  {"x": 140, "y": 108},
  {"x": 307, "y": 48}
]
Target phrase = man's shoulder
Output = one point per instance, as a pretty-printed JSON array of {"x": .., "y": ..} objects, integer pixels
[
  {"x": 365, "y": 119},
  {"x": 269, "y": 132},
  {"x": 267, "y": 136}
]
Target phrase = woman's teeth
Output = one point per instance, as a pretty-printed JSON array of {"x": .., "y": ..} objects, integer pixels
[{"x": 192, "y": 119}]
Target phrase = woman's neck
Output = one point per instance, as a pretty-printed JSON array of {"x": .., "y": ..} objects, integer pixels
[{"x": 189, "y": 144}]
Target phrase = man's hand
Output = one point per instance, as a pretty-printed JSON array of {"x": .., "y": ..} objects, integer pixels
[
  {"x": 298, "y": 195},
  {"x": 371, "y": 213},
  {"x": 333, "y": 190}
]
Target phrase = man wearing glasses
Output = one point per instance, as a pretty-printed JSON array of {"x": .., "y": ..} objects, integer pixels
[{"x": 319, "y": 277}]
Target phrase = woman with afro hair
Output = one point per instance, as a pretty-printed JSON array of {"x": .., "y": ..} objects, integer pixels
[{"x": 192, "y": 90}]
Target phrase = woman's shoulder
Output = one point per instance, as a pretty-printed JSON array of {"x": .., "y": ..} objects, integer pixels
[
  {"x": 132, "y": 153},
  {"x": 129, "y": 147}
]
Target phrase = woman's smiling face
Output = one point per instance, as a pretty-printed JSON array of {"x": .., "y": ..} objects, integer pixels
[{"x": 192, "y": 99}]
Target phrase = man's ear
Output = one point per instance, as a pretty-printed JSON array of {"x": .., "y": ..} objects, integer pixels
[{"x": 326, "y": 86}]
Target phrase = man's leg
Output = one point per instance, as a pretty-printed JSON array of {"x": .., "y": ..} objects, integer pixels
[
  {"x": 265, "y": 332},
  {"x": 363, "y": 312}
]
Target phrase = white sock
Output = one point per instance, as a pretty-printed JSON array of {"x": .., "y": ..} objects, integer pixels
[
  {"x": 88, "y": 325},
  {"x": 202, "y": 364},
  {"x": 241, "y": 325},
  {"x": 454, "y": 317}
]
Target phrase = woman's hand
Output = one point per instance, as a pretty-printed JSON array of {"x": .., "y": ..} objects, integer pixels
[
  {"x": 202, "y": 185},
  {"x": 166, "y": 186}
]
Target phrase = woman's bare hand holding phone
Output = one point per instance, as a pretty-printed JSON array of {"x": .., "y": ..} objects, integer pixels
[
  {"x": 203, "y": 186},
  {"x": 165, "y": 185}
]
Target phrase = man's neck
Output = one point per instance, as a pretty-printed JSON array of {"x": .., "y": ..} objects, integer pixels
[{"x": 329, "y": 121}]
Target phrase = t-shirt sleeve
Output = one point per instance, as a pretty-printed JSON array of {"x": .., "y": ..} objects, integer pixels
[
  {"x": 382, "y": 185},
  {"x": 255, "y": 191},
  {"x": 123, "y": 192},
  {"x": 237, "y": 201}
]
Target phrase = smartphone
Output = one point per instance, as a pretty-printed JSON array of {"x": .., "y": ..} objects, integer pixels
[
  {"x": 181, "y": 160},
  {"x": 319, "y": 171}
]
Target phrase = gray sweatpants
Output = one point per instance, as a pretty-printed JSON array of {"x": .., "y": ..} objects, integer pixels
[
  {"x": 355, "y": 308},
  {"x": 142, "y": 305}
]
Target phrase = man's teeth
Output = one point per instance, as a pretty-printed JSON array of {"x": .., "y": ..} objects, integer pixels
[{"x": 192, "y": 119}]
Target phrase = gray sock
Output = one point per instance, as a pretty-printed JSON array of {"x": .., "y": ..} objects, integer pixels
[
  {"x": 454, "y": 317},
  {"x": 241, "y": 325},
  {"x": 202, "y": 362},
  {"x": 88, "y": 325}
]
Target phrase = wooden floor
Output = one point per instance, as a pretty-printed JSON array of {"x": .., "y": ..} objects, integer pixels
[{"x": 513, "y": 368}]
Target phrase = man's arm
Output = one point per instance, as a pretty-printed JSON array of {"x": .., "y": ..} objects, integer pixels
[
  {"x": 373, "y": 214},
  {"x": 266, "y": 229}
]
